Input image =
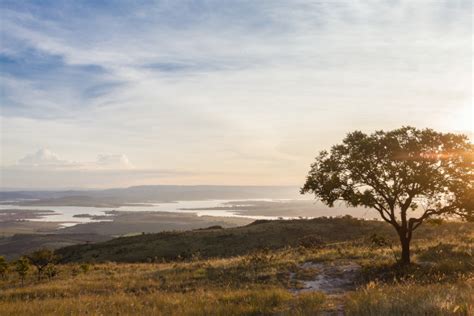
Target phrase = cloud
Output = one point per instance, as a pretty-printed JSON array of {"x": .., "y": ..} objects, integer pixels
[
  {"x": 114, "y": 161},
  {"x": 45, "y": 159},
  {"x": 252, "y": 86},
  {"x": 46, "y": 170}
]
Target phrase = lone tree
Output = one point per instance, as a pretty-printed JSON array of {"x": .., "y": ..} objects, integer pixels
[
  {"x": 408, "y": 175},
  {"x": 41, "y": 259},
  {"x": 22, "y": 266}
]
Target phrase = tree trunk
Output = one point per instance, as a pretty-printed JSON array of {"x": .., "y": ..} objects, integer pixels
[{"x": 405, "y": 242}]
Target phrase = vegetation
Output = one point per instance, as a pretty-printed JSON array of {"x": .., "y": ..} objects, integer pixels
[
  {"x": 411, "y": 298},
  {"x": 3, "y": 267},
  {"x": 22, "y": 266},
  {"x": 209, "y": 243},
  {"x": 43, "y": 259},
  {"x": 408, "y": 175},
  {"x": 289, "y": 267},
  {"x": 13, "y": 247},
  {"x": 262, "y": 281}
]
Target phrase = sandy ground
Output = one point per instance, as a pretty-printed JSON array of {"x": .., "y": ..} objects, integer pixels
[{"x": 334, "y": 279}]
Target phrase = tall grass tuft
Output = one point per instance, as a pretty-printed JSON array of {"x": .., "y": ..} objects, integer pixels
[{"x": 410, "y": 298}]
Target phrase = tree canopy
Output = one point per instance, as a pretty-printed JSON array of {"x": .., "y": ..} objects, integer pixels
[
  {"x": 407, "y": 175},
  {"x": 41, "y": 259}
]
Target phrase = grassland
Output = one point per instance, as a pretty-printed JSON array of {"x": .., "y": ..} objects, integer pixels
[
  {"x": 216, "y": 242},
  {"x": 258, "y": 281}
]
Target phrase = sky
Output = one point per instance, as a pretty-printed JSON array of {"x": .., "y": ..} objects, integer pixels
[{"x": 98, "y": 94}]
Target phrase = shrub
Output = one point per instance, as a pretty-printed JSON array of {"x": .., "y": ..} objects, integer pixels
[
  {"x": 41, "y": 259},
  {"x": 51, "y": 271},
  {"x": 22, "y": 266},
  {"x": 3, "y": 267},
  {"x": 85, "y": 267}
]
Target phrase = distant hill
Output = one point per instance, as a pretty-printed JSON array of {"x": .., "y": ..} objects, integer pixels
[
  {"x": 151, "y": 193},
  {"x": 14, "y": 246}
]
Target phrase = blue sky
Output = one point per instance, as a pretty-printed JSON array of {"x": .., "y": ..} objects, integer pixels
[{"x": 231, "y": 92}]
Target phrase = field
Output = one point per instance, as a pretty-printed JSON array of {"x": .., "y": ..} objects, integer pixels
[{"x": 302, "y": 278}]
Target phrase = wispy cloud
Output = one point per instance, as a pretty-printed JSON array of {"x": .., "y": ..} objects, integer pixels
[
  {"x": 254, "y": 86},
  {"x": 46, "y": 159},
  {"x": 44, "y": 169}
]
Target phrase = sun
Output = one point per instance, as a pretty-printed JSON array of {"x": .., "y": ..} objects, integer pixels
[{"x": 462, "y": 120}]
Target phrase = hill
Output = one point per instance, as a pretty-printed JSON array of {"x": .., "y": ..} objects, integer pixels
[
  {"x": 335, "y": 269},
  {"x": 149, "y": 193},
  {"x": 218, "y": 242},
  {"x": 14, "y": 246}
]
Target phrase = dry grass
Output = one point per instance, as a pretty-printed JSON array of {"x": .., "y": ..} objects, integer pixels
[
  {"x": 201, "y": 302},
  {"x": 255, "y": 284},
  {"x": 410, "y": 298},
  {"x": 249, "y": 285}
]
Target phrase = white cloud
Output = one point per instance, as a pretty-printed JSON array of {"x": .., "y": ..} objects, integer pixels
[
  {"x": 257, "y": 87},
  {"x": 45, "y": 159},
  {"x": 46, "y": 170},
  {"x": 114, "y": 161}
]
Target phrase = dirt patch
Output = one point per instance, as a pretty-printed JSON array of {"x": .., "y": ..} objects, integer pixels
[
  {"x": 329, "y": 278},
  {"x": 333, "y": 279}
]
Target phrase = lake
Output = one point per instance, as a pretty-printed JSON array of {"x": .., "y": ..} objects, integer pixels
[{"x": 66, "y": 214}]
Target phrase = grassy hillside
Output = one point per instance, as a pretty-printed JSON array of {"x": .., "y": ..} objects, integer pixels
[
  {"x": 216, "y": 242},
  {"x": 13, "y": 247},
  {"x": 262, "y": 282}
]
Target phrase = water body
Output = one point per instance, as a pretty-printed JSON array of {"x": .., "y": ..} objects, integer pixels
[{"x": 66, "y": 214}]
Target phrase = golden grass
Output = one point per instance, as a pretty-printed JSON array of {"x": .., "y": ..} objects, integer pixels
[
  {"x": 232, "y": 286},
  {"x": 410, "y": 298},
  {"x": 254, "y": 284},
  {"x": 200, "y": 302}
]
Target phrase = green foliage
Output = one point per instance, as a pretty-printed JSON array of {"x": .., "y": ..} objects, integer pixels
[
  {"x": 41, "y": 259},
  {"x": 22, "y": 266},
  {"x": 223, "y": 242},
  {"x": 379, "y": 241},
  {"x": 311, "y": 241},
  {"x": 393, "y": 172},
  {"x": 51, "y": 271},
  {"x": 3, "y": 266},
  {"x": 85, "y": 267}
]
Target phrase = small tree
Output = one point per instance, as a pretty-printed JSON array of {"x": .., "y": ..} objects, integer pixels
[
  {"x": 51, "y": 271},
  {"x": 3, "y": 267},
  {"x": 408, "y": 175},
  {"x": 22, "y": 266},
  {"x": 41, "y": 259}
]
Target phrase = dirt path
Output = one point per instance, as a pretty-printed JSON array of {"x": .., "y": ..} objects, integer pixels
[{"x": 334, "y": 279}]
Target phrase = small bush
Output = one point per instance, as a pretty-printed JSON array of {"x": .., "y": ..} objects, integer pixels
[
  {"x": 85, "y": 267},
  {"x": 311, "y": 241},
  {"x": 51, "y": 271},
  {"x": 3, "y": 267}
]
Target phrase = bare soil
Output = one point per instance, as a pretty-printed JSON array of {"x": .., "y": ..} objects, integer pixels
[{"x": 334, "y": 279}]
